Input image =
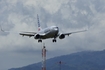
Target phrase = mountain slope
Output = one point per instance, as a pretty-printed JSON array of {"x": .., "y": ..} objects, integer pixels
[{"x": 76, "y": 61}]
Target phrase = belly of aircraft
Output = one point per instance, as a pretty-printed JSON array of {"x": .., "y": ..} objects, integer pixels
[{"x": 49, "y": 35}]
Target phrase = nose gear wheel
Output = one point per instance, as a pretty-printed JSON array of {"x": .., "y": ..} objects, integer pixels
[{"x": 39, "y": 41}]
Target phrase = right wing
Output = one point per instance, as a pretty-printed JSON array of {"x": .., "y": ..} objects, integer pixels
[{"x": 74, "y": 32}]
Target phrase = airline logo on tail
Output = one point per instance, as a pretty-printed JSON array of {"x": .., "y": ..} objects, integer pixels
[{"x": 39, "y": 28}]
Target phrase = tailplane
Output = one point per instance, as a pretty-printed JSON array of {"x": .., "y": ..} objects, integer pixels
[{"x": 39, "y": 27}]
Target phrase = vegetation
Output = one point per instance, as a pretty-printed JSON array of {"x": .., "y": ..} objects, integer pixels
[{"x": 76, "y": 61}]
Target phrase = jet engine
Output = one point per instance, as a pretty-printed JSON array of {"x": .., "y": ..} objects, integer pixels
[
  {"x": 62, "y": 36},
  {"x": 37, "y": 36}
]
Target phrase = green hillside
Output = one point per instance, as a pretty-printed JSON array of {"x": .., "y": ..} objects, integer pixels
[{"x": 91, "y": 60}]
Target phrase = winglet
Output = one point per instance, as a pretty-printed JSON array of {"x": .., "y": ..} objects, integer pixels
[
  {"x": 1, "y": 29},
  {"x": 87, "y": 27}
]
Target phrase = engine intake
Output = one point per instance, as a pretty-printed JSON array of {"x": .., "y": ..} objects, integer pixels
[
  {"x": 62, "y": 36},
  {"x": 37, "y": 36}
]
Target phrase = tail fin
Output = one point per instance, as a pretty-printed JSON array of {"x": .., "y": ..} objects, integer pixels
[{"x": 39, "y": 27}]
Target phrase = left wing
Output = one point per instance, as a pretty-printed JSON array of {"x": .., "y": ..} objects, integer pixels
[
  {"x": 30, "y": 34},
  {"x": 73, "y": 32}
]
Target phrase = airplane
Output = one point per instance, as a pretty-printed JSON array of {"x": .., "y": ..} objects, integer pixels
[{"x": 46, "y": 33}]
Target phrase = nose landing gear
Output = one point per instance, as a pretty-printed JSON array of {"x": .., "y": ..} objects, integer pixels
[{"x": 39, "y": 41}]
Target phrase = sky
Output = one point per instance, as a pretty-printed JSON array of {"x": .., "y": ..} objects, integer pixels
[{"x": 68, "y": 15}]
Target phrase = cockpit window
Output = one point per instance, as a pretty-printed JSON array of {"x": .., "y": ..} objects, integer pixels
[{"x": 56, "y": 28}]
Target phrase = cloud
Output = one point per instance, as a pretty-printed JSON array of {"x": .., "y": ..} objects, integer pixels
[{"x": 50, "y": 6}]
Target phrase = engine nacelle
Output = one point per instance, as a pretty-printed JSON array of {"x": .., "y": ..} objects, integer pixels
[
  {"x": 37, "y": 36},
  {"x": 62, "y": 36}
]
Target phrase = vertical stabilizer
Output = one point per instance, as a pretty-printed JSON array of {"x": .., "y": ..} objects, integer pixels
[{"x": 39, "y": 27}]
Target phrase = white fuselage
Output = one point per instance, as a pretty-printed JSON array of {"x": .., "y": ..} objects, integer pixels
[{"x": 50, "y": 32}]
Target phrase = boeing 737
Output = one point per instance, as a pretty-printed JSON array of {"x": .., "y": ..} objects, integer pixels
[{"x": 46, "y": 33}]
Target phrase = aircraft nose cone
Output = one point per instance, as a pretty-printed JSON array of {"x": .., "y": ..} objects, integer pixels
[{"x": 55, "y": 29}]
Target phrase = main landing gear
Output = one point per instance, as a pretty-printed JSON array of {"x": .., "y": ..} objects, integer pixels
[{"x": 54, "y": 40}]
